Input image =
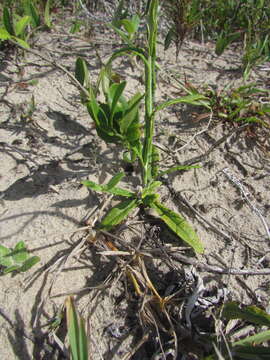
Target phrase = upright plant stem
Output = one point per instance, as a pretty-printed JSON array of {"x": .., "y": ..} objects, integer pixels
[{"x": 150, "y": 84}]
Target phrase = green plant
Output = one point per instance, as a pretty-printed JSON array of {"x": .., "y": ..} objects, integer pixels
[
  {"x": 249, "y": 347},
  {"x": 14, "y": 29},
  {"x": 182, "y": 16},
  {"x": 19, "y": 28},
  {"x": 240, "y": 105},
  {"x": 76, "y": 332},
  {"x": 117, "y": 121},
  {"x": 226, "y": 22},
  {"x": 17, "y": 259}
]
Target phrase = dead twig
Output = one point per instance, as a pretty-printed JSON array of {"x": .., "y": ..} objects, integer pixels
[{"x": 216, "y": 269}]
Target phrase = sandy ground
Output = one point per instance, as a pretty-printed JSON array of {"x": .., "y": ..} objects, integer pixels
[{"x": 43, "y": 203}]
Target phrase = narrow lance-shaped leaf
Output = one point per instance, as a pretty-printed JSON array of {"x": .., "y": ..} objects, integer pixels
[
  {"x": 21, "y": 25},
  {"x": 224, "y": 40},
  {"x": 83, "y": 342},
  {"x": 29, "y": 263},
  {"x": 118, "y": 213},
  {"x": 34, "y": 14},
  {"x": 107, "y": 189},
  {"x": 114, "y": 94},
  {"x": 169, "y": 38},
  {"x": 178, "y": 225},
  {"x": 151, "y": 188},
  {"x": 21, "y": 42},
  {"x": 76, "y": 332},
  {"x": 115, "y": 180},
  {"x": 11, "y": 268},
  {"x": 5, "y": 259},
  {"x": 7, "y": 21},
  {"x": 250, "y": 352},
  {"x": 195, "y": 99},
  {"x": 133, "y": 106},
  {"x": 252, "y": 313},
  {"x": 47, "y": 17},
  {"x": 4, "y": 34},
  {"x": 81, "y": 72},
  {"x": 254, "y": 339},
  {"x": 19, "y": 253},
  {"x": 178, "y": 168},
  {"x": 122, "y": 34},
  {"x": 131, "y": 25},
  {"x": 130, "y": 49}
]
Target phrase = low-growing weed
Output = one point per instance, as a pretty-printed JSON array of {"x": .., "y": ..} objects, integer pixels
[
  {"x": 16, "y": 260},
  {"x": 19, "y": 28},
  {"x": 241, "y": 105},
  {"x": 117, "y": 120},
  {"x": 249, "y": 346}
]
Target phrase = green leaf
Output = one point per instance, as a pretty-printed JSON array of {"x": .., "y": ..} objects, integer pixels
[
  {"x": 21, "y": 42},
  {"x": 135, "y": 22},
  {"x": 32, "y": 12},
  {"x": 155, "y": 162},
  {"x": 118, "y": 14},
  {"x": 151, "y": 188},
  {"x": 47, "y": 17},
  {"x": 252, "y": 352},
  {"x": 11, "y": 268},
  {"x": 131, "y": 25},
  {"x": 128, "y": 26},
  {"x": 5, "y": 259},
  {"x": 169, "y": 38},
  {"x": 195, "y": 99},
  {"x": 253, "y": 314},
  {"x": 81, "y": 72},
  {"x": 118, "y": 213},
  {"x": 104, "y": 188},
  {"x": 130, "y": 114},
  {"x": 97, "y": 113},
  {"x": 76, "y": 332},
  {"x": 21, "y": 25},
  {"x": 83, "y": 342},
  {"x": 7, "y": 21},
  {"x": 114, "y": 94},
  {"x": 224, "y": 40},
  {"x": 126, "y": 50},
  {"x": 75, "y": 27},
  {"x": 4, "y": 251},
  {"x": 178, "y": 168},
  {"x": 19, "y": 254},
  {"x": 4, "y": 34},
  {"x": 30, "y": 262},
  {"x": 254, "y": 339},
  {"x": 122, "y": 34},
  {"x": 115, "y": 180},
  {"x": 178, "y": 225}
]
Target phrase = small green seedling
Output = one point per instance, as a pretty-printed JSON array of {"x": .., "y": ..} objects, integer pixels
[
  {"x": 249, "y": 347},
  {"x": 16, "y": 260},
  {"x": 117, "y": 120},
  {"x": 76, "y": 332},
  {"x": 240, "y": 105},
  {"x": 14, "y": 29},
  {"x": 18, "y": 28}
]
